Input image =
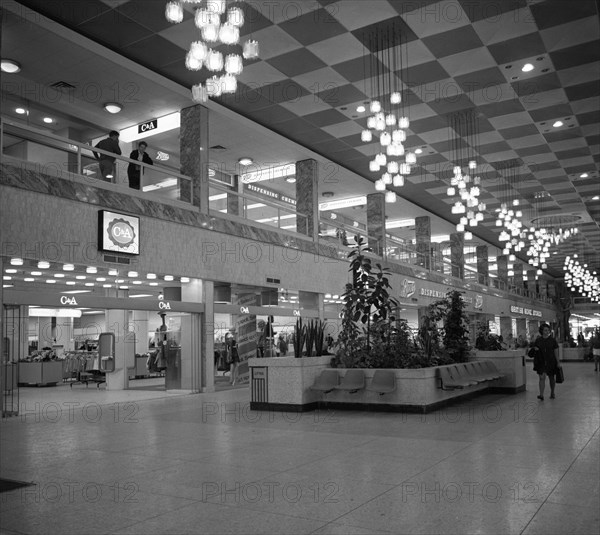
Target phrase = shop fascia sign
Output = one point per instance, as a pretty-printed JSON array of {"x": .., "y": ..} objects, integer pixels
[
  {"x": 66, "y": 300},
  {"x": 164, "y": 305},
  {"x": 261, "y": 191},
  {"x": 515, "y": 309},
  {"x": 148, "y": 126},
  {"x": 434, "y": 294}
]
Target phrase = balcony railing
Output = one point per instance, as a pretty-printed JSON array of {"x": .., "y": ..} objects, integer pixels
[{"x": 65, "y": 158}]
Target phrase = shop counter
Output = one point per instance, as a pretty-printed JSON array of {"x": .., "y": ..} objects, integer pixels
[{"x": 41, "y": 373}]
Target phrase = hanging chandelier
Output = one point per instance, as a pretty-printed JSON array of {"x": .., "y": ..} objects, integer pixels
[
  {"x": 578, "y": 278},
  {"x": 464, "y": 137},
  {"x": 509, "y": 216},
  {"x": 388, "y": 123},
  {"x": 217, "y": 48}
]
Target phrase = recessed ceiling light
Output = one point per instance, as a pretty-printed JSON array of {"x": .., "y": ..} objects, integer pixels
[
  {"x": 100, "y": 279},
  {"x": 245, "y": 161},
  {"x": 291, "y": 179},
  {"x": 185, "y": 279},
  {"x": 59, "y": 275},
  {"x": 9, "y": 65},
  {"x": 20, "y": 111},
  {"x": 71, "y": 283},
  {"x": 48, "y": 120},
  {"x": 6, "y": 277},
  {"x": 557, "y": 124},
  {"x": 36, "y": 273},
  {"x": 361, "y": 109},
  {"x": 28, "y": 279},
  {"x": 583, "y": 175},
  {"x": 418, "y": 151},
  {"x": 596, "y": 198},
  {"x": 51, "y": 281},
  {"x": 43, "y": 264},
  {"x": 16, "y": 261},
  {"x": 80, "y": 277},
  {"x": 113, "y": 107},
  {"x": 169, "y": 278},
  {"x": 151, "y": 276},
  {"x": 68, "y": 267},
  {"x": 527, "y": 67},
  {"x": 113, "y": 272},
  {"x": 91, "y": 269}
]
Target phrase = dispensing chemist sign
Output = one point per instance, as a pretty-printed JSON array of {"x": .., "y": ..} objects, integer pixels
[{"x": 118, "y": 232}]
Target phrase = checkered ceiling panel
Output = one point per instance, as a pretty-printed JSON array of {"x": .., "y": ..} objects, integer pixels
[{"x": 459, "y": 55}]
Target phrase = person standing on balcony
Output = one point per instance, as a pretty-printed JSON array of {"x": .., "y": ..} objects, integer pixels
[
  {"x": 107, "y": 163},
  {"x": 135, "y": 172}
]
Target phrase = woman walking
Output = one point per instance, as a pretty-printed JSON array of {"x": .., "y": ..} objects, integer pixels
[{"x": 545, "y": 359}]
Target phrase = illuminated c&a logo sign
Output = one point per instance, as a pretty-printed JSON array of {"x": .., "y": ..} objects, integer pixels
[
  {"x": 164, "y": 305},
  {"x": 244, "y": 310},
  {"x": 65, "y": 300}
]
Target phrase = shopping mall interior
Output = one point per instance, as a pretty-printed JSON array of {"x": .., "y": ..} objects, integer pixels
[{"x": 154, "y": 286}]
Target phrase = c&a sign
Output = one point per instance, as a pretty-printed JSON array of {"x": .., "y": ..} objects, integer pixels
[{"x": 118, "y": 232}]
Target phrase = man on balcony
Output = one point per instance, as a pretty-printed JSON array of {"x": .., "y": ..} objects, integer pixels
[
  {"x": 107, "y": 163},
  {"x": 134, "y": 172}
]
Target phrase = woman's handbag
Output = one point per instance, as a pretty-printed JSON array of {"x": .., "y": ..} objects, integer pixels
[{"x": 560, "y": 375}]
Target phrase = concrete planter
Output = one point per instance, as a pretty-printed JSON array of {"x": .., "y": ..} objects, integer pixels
[{"x": 284, "y": 384}]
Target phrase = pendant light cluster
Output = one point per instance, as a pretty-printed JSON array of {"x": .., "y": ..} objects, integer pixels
[
  {"x": 464, "y": 184},
  {"x": 388, "y": 122},
  {"x": 578, "y": 278},
  {"x": 219, "y": 26},
  {"x": 540, "y": 241},
  {"x": 509, "y": 217}
]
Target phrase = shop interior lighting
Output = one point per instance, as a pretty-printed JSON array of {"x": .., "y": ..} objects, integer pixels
[
  {"x": 43, "y": 264},
  {"x": 113, "y": 107},
  {"x": 169, "y": 278},
  {"x": 10, "y": 270},
  {"x": 39, "y": 312},
  {"x": 185, "y": 279}
]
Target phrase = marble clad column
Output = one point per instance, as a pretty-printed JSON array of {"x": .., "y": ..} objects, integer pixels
[
  {"x": 522, "y": 327},
  {"x": 193, "y": 147},
  {"x": 502, "y": 262},
  {"x": 307, "y": 174},
  {"x": 531, "y": 282},
  {"x": 483, "y": 265},
  {"x": 506, "y": 328},
  {"x": 423, "y": 237},
  {"x": 457, "y": 254},
  {"x": 543, "y": 286},
  {"x": 518, "y": 277},
  {"x": 234, "y": 205},
  {"x": 376, "y": 222},
  {"x": 245, "y": 332}
]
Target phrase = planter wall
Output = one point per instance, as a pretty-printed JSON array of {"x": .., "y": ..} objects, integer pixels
[{"x": 284, "y": 384}]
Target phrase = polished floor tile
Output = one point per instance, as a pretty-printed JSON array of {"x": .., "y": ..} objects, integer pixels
[{"x": 144, "y": 462}]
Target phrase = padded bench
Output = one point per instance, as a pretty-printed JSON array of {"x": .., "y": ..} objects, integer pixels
[
  {"x": 383, "y": 381},
  {"x": 466, "y": 374}
]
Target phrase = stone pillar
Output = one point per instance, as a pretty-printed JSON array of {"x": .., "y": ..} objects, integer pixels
[
  {"x": 63, "y": 335},
  {"x": 522, "y": 327},
  {"x": 518, "y": 277},
  {"x": 423, "y": 237},
  {"x": 506, "y": 328},
  {"x": 194, "y": 154},
  {"x": 531, "y": 283},
  {"x": 140, "y": 328},
  {"x": 483, "y": 265},
  {"x": 245, "y": 332},
  {"x": 543, "y": 286},
  {"x": 234, "y": 205},
  {"x": 197, "y": 338},
  {"x": 307, "y": 205},
  {"x": 376, "y": 222},
  {"x": 457, "y": 254},
  {"x": 502, "y": 262},
  {"x": 116, "y": 320}
]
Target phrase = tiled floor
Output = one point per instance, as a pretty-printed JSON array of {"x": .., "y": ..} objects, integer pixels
[{"x": 142, "y": 462}]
